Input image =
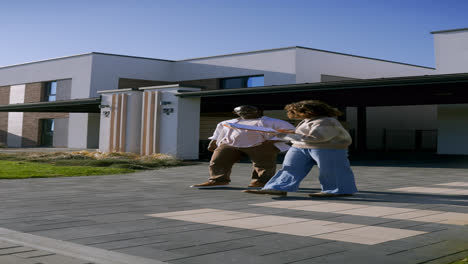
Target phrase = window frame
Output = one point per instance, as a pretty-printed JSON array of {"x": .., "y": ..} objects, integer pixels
[
  {"x": 244, "y": 81},
  {"x": 48, "y": 91}
]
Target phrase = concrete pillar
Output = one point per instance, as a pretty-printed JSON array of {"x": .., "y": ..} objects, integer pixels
[
  {"x": 170, "y": 124},
  {"x": 120, "y": 122}
]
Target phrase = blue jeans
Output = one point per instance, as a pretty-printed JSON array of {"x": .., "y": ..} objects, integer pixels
[{"x": 335, "y": 176}]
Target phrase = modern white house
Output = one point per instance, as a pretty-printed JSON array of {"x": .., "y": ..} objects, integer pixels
[{"x": 143, "y": 105}]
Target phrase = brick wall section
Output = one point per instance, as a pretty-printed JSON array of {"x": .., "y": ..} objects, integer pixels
[
  {"x": 31, "y": 126},
  {"x": 33, "y": 92},
  {"x": 4, "y": 99}
]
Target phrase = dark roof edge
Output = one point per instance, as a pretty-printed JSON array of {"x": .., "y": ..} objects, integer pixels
[
  {"x": 449, "y": 30},
  {"x": 300, "y": 47},
  {"x": 80, "y": 55},
  {"x": 39, "y": 61},
  {"x": 83, "y": 101},
  {"x": 224, "y": 55},
  {"x": 127, "y": 56},
  {"x": 369, "y": 58},
  {"x": 238, "y": 53},
  {"x": 358, "y": 83}
]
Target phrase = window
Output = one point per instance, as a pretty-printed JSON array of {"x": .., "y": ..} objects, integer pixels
[
  {"x": 242, "y": 82},
  {"x": 47, "y": 132},
  {"x": 50, "y": 91}
]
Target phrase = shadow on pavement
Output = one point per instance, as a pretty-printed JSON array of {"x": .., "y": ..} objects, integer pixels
[
  {"x": 386, "y": 197},
  {"x": 408, "y": 159}
]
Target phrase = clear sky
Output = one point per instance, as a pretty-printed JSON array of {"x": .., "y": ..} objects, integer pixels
[{"x": 396, "y": 30}]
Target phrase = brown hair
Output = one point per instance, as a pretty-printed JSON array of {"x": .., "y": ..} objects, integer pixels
[{"x": 313, "y": 108}]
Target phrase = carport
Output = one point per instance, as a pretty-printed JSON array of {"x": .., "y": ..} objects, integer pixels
[
  {"x": 43, "y": 123},
  {"x": 399, "y": 91},
  {"x": 88, "y": 105}
]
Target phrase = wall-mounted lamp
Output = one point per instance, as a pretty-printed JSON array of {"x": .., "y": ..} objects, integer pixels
[
  {"x": 104, "y": 106},
  {"x": 168, "y": 111}
]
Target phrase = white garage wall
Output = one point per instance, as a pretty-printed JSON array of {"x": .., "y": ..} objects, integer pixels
[
  {"x": 451, "y": 51},
  {"x": 453, "y": 129},
  {"x": 311, "y": 64},
  {"x": 401, "y": 121}
]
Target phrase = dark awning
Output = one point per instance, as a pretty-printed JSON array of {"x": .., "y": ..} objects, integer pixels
[
  {"x": 413, "y": 90},
  {"x": 88, "y": 105}
]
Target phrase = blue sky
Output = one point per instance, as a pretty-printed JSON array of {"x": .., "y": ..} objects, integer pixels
[{"x": 396, "y": 30}]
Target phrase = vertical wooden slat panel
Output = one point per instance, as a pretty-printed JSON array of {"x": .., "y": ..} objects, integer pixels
[
  {"x": 118, "y": 120},
  {"x": 145, "y": 123},
  {"x": 151, "y": 124},
  {"x": 112, "y": 123},
  {"x": 156, "y": 120},
  {"x": 123, "y": 134}
]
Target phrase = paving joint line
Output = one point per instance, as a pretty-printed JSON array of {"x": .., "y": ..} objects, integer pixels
[
  {"x": 220, "y": 241},
  {"x": 408, "y": 249},
  {"x": 118, "y": 248},
  {"x": 313, "y": 245},
  {"x": 17, "y": 252},
  {"x": 327, "y": 254},
  {"x": 39, "y": 256},
  {"x": 226, "y": 250},
  {"x": 455, "y": 253}
]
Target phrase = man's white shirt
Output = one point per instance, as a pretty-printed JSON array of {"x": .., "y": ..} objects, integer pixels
[{"x": 242, "y": 138}]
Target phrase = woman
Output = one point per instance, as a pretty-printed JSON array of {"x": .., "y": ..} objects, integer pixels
[{"x": 318, "y": 139}]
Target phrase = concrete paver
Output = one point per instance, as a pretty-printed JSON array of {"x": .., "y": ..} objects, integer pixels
[{"x": 401, "y": 215}]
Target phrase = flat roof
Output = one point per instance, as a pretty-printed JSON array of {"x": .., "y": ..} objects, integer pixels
[
  {"x": 215, "y": 56},
  {"x": 300, "y": 47},
  {"x": 336, "y": 85},
  {"x": 80, "y": 55}
]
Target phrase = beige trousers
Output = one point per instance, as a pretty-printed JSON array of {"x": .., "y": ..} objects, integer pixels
[{"x": 263, "y": 159}]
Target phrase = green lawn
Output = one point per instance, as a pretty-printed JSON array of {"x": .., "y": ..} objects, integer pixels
[
  {"x": 24, "y": 169},
  {"x": 80, "y": 163}
]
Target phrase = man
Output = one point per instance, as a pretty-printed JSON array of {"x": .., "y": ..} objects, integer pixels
[{"x": 229, "y": 144}]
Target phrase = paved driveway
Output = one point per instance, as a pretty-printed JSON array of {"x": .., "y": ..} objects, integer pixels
[{"x": 401, "y": 215}]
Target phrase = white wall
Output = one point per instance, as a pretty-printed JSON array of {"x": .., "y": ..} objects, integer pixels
[
  {"x": 15, "y": 119},
  {"x": 60, "y": 133},
  {"x": 107, "y": 69},
  {"x": 189, "y": 127},
  {"x": 312, "y": 63},
  {"x": 133, "y": 120},
  {"x": 278, "y": 66},
  {"x": 451, "y": 51},
  {"x": 77, "y": 68},
  {"x": 453, "y": 129},
  {"x": 105, "y": 124},
  {"x": 451, "y": 55},
  {"x": 401, "y": 121},
  {"x": 77, "y": 130},
  {"x": 178, "y": 130}
]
